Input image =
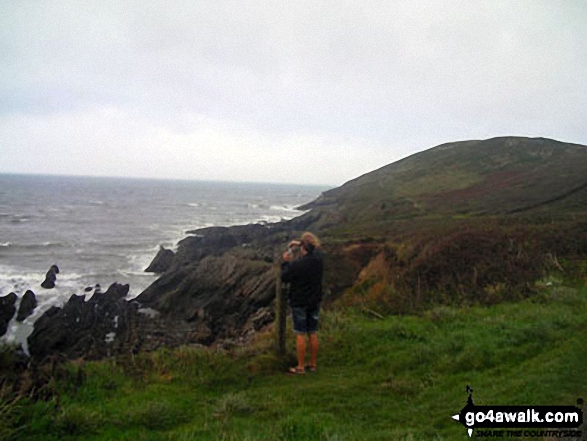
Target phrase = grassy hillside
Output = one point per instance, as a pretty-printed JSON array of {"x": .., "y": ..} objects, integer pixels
[
  {"x": 492, "y": 177},
  {"x": 396, "y": 377},
  {"x": 460, "y": 223}
]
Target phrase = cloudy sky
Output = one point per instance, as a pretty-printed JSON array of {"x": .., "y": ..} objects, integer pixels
[{"x": 300, "y": 91}]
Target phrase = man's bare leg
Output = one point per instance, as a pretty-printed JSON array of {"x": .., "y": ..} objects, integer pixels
[
  {"x": 301, "y": 349},
  {"x": 314, "y": 346}
]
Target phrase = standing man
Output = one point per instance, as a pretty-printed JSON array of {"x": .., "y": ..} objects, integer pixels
[{"x": 305, "y": 294}]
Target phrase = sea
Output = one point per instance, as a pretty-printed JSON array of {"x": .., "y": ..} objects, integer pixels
[{"x": 104, "y": 230}]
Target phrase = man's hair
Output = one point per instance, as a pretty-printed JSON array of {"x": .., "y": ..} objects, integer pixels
[{"x": 310, "y": 242}]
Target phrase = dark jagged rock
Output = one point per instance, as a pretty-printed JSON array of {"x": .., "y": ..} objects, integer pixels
[
  {"x": 51, "y": 277},
  {"x": 27, "y": 305},
  {"x": 218, "y": 297},
  {"x": 115, "y": 292},
  {"x": 215, "y": 241},
  {"x": 217, "y": 294},
  {"x": 106, "y": 325},
  {"x": 49, "y": 282},
  {"x": 162, "y": 261},
  {"x": 76, "y": 300},
  {"x": 7, "y": 310},
  {"x": 81, "y": 328}
]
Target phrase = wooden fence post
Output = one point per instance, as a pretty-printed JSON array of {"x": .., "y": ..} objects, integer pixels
[{"x": 280, "y": 311}]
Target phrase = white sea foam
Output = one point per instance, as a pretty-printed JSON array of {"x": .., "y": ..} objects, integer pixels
[
  {"x": 134, "y": 273},
  {"x": 19, "y": 332},
  {"x": 185, "y": 230},
  {"x": 270, "y": 219},
  {"x": 138, "y": 261},
  {"x": 13, "y": 280},
  {"x": 285, "y": 208},
  {"x": 29, "y": 246},
  {"x": 193, "y": 204}
]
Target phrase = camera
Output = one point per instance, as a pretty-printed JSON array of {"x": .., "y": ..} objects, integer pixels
[{"x": 294, "y": 249}]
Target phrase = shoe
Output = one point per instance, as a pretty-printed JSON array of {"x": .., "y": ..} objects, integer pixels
[{"x": 296, "y": 371}]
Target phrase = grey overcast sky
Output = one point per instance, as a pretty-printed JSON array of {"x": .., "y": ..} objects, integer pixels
[{"x": 302, "y": 91}]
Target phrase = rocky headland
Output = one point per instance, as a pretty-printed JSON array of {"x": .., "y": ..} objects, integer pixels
[
  {"x": 218, "y": 289},
  {"x": 476, "y": 221}
]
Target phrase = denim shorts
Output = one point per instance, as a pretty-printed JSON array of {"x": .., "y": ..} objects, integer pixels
[{"x": 305, "y": 320}]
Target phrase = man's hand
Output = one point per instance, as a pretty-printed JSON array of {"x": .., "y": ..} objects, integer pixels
[{"x": 287, "y": 257}]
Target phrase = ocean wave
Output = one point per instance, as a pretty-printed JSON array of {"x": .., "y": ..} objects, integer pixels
[
  {"x": 70, "y": 277},
  {"x": 190, "y": 230},
  {"x": 129, "y": 273},
  {"x": 30, "y": 246},
  {"x": 45, "y": 244},
  {"x": 138, "y": 262},
  {"x": 19, "y": 281},
  {"x": 193, "y": 204},
  {"x": 284, "y": 208},
  {"x": 119, "y": 245},
  {"x": 270, "y": 219}
]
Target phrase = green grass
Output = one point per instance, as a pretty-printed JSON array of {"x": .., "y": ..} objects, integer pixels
[{"x": 399, "y": 378}]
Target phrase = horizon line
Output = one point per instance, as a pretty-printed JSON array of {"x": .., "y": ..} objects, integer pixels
[{"x": 156, "y": 178}]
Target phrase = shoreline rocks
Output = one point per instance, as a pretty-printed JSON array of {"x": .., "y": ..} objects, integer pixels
[
  {"x": 79, "y": 328},
  {"x": 214, "y": 289},
  {"x": 162, "y": 261},
  {"x": 50, "y": 277},
  {"x": 27, "y": 305},
  {"x": 7, "y": 311},
  {"x": 219, "y": 287}
]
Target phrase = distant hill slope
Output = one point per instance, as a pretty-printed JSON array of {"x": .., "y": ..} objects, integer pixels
[
  {"x": 493, "y": 177},
  {"x": 473, "y": 221}
]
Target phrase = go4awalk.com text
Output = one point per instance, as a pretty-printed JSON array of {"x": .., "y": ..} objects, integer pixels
[{"x": 520, "y": 421}]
